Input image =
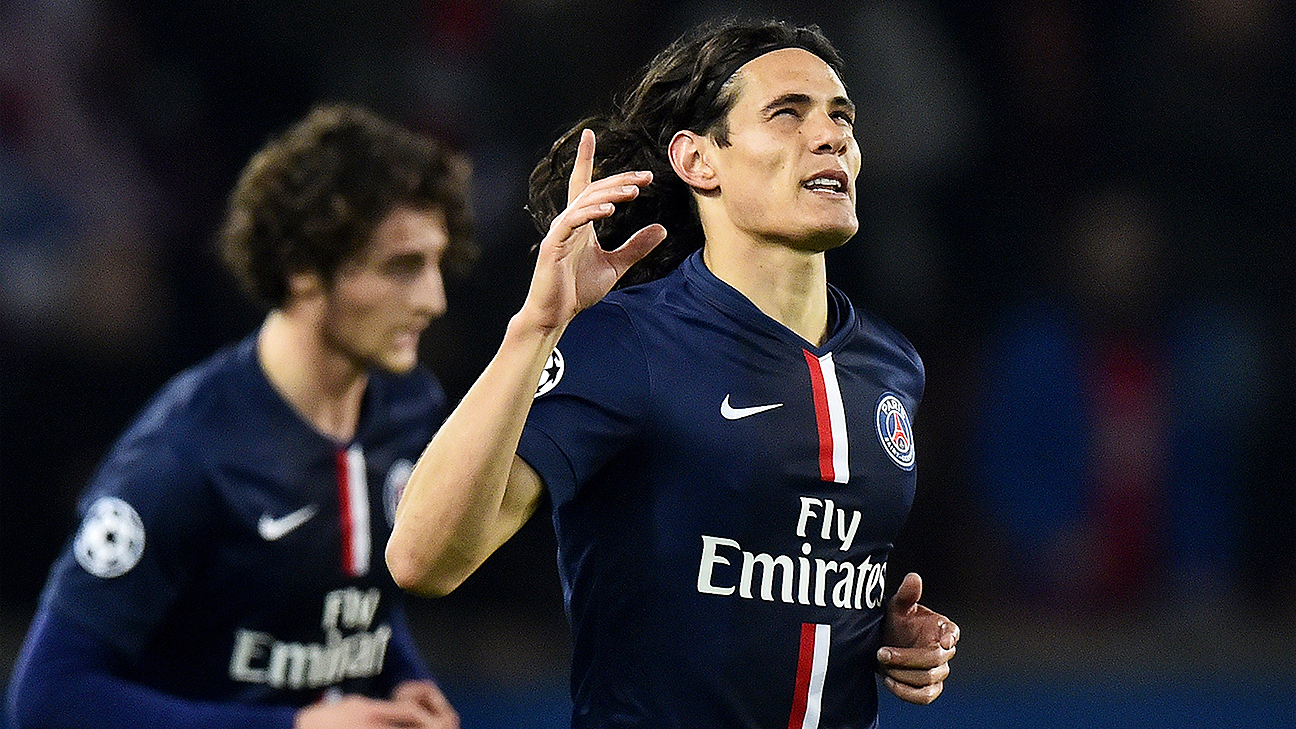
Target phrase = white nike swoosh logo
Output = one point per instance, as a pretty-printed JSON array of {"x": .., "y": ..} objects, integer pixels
[
  {"x": 729, "y": 412},
  {"x": 271, "y": 528}
]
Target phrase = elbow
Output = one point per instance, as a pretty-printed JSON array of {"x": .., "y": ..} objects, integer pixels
[{"x": 416, "y": 575}]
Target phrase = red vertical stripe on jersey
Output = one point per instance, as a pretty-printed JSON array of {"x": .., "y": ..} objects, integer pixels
[
  {"x": 812, "y": 667},
  {"x": 805, "y": 660},
  {"x": 344, "y": 511},
  {"x": 823, "y": 417}
]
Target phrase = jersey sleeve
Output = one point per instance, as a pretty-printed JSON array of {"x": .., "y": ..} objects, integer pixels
[
  {"x": 404, "y": 662},
  {"x": 144, "y": 528},
  {"x": 591, "y": 400},
  {"x": 64, "y": 678}
]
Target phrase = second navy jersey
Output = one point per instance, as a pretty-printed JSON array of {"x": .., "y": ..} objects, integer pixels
[
  {"x": 231, "y": 552},
  {"x": 725, "y": 496}
]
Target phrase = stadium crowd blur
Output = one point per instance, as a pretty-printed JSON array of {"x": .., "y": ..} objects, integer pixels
[{"x": 1082, "y": 213}]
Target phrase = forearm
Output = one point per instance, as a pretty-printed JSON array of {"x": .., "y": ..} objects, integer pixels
[
  {"x": 469, "y": 492},
  {"x": 104, "y": 702},
  {"x": 457, "y": 507},
  {"x": 63, "y": 681}
]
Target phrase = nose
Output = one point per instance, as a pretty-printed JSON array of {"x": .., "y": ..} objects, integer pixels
[
  {"x": 429, "y": 296},
  {"x": 828, "y": 135}
]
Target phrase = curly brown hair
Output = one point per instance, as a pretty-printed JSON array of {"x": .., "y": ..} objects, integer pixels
[
  {"x": 686, "y": 86},
  {"x": 311, "y": 198}
]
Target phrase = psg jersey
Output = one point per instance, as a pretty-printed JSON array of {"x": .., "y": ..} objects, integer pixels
[
  {"x": 725, "y": 495},
  {"x": 231, "y": 552}
]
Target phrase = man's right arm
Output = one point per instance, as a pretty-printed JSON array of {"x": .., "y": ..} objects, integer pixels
[{"x": 469, "y": 491}]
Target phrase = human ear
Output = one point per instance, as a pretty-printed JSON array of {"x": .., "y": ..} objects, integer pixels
[
  {"x": 303, "y": 284},
  {"x": 688, "y": 157}
]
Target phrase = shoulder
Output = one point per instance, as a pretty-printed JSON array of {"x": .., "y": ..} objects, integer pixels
[
  {"x": 633, "y": 306},
  {"x": 213, "y": 389},
  {"x": 199, "y": 400},
  {"x": 878, "y": 333},
  {"x": 165, "y": 450},
  {"x": 876, "y": 346}
]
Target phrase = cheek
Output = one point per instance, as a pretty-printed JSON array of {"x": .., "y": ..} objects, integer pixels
[{"x": 359, "y": 309}]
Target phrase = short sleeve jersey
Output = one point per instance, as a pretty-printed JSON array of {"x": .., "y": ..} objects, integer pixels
[
  {"x": 230, "y": 552},
  {"x": 725, "y": 497}
]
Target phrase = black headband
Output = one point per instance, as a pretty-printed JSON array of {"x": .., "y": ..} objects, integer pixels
[{"x": 802, "y": 39}]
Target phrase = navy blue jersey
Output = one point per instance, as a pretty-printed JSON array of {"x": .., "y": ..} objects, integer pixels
[
  {"x": 725, "y": 499},
  {"x": 231, "y": 552}
]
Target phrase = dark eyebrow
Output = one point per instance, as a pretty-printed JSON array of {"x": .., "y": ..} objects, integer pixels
[{"x": 799, "y": 99}]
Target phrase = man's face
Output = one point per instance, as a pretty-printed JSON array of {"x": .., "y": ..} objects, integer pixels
[
  {"x": 788, "y": 174},
  {"x": 383, "y": 298}
]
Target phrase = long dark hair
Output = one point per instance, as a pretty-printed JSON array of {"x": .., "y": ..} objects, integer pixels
[{"x": 686, "y": 86}]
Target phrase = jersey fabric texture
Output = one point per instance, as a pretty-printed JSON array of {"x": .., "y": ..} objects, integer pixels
[
  {"x": 230, "y": 553},
  {"x": 725, "y": 497}
]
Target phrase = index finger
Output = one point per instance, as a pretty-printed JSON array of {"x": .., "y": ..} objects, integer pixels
[
  {"x": 583, "y": 169},
  {"x": 920, "y": 658}
]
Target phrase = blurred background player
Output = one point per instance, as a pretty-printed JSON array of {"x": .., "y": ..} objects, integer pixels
[
  {"x": 728, "y": 446},
  {"x": 227, "y": 570}
]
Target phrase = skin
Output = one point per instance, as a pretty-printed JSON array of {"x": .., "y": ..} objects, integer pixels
[
  {"x": 766, "y": 227},
  {"x": 766, "y": 233},
  {"x": 316, "y": 350}
]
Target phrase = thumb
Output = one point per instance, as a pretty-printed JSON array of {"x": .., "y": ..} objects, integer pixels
[{"x": 908, "y": 594}]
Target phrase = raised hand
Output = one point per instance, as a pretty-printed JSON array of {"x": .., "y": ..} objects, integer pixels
[
  {"x": 917, "y": 646},
  {"x": 572, "y": 271}
]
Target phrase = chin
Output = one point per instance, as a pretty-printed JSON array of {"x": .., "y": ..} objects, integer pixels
[
  {"x": 826, "y": 240},
  {"x": 397, "y": 364}
]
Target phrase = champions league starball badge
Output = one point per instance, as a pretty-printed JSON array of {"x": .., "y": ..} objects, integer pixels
[
  {"x": 111, "y": 539},
  {"x": 894, "y": 431},
  {"x": 553, "y": 372}
]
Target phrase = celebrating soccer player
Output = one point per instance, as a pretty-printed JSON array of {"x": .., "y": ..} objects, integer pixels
[{"x": 727, "y": 441}]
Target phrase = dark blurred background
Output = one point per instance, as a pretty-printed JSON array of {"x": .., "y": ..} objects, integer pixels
[{"x": 1082, "y": 214}]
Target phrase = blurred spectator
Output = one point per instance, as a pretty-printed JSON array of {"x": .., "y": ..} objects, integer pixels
[
  {"x": 1203, "y": 106},
  {"x": 81, "y": 291},
  {"x": 1072, "y": 429},
  {"x": 80, "y": 216}
]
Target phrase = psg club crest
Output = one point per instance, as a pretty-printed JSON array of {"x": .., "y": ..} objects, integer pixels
[
  {"x": 111, "y": 539},
  {"x": 894, "y": 430},
  {"x": 553, "y": 372},
  {"x": 397, "y": 476}
]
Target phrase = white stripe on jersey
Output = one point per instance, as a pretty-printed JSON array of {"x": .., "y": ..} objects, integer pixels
[
  {"x": 357, "y": 507},
  {"x": 837, "y": 420},
  {"x": 818, "y": 669}
]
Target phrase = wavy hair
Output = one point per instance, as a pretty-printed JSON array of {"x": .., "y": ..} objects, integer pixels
[{"x": 312, "y": 197}]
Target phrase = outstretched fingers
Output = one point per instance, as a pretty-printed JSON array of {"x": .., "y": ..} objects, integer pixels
[
  {"x": 597, "y": 200},
  {"x": 583, "y": 169}
]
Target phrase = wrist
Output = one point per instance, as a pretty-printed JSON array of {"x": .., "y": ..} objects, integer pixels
[{"x": 527, "y": 325}]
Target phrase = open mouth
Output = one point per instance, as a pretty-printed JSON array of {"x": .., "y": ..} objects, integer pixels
[{"x": 830, "y": 181}]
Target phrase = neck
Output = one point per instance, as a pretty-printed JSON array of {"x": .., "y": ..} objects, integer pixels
[
  {"x": 789, "y": 286},
  {"x": 323, "y": 386}
]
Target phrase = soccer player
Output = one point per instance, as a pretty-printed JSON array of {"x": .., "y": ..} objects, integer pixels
[
  {"x": 228, "y": 568},
  {"x": 728, "y": 443}
]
